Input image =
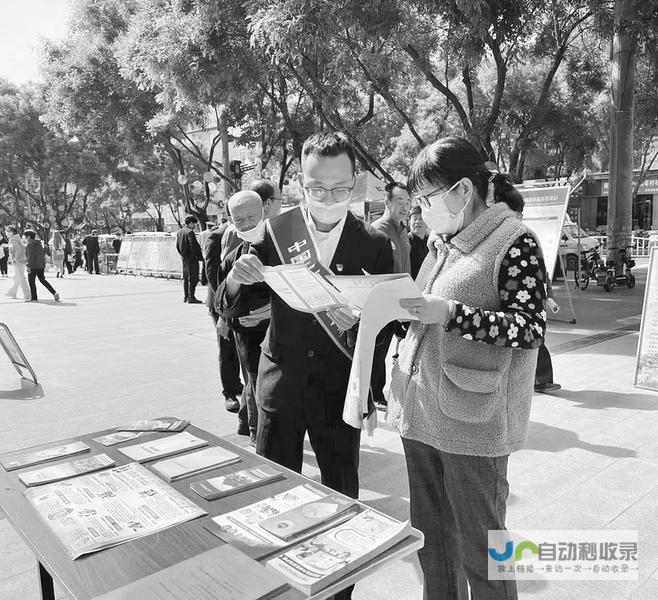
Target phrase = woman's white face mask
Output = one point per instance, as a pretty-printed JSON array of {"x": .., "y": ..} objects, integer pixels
[{"x": 437, "y": 215}]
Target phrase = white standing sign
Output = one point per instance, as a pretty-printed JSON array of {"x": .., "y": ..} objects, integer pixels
[
  {"x": 646, "y": 370},
  {"x": 544, "y": 213}
]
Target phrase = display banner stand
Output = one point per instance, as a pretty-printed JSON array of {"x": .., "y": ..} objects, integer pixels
[
  {"x": 16, "y": 355},
  {"x": 646, "y": 361}
]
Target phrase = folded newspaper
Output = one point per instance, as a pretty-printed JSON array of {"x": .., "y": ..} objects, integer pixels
[{"x": 100, "y": 510}]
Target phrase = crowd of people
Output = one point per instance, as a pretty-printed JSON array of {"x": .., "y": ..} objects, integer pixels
[
  {"x": 464, "y": 365},
  {"x": 27, "y": 253}
]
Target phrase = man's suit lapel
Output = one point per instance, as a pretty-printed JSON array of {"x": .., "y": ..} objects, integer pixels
[{"x": 346, "y": 259}]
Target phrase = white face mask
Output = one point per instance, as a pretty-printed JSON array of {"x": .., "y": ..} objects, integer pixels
[
  {"x": 328, "y": 214},
  {"x": 252, "y": 235},
  {"x": 440, "y": 220}
]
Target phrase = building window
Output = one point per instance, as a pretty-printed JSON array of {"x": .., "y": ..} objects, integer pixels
[{"x": 602, "y": 211}]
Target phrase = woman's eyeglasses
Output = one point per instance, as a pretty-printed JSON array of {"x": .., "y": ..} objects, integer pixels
[{"x": 424, "y": 199}]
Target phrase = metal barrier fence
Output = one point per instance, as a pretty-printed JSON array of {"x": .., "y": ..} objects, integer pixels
[{"x": 641, "y": 245}]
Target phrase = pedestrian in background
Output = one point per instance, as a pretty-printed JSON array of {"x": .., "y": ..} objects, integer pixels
[
  {"x": 4, "y": 254},
  {"x": 116, "y": 242},
  {"x": 190, "y": 252},
  {"x": 57, "y": 252},
  {"x": 92, "y": 250},
  {"x": 418, "y": 237},
  {"x": 17, "y": 259},
  {"x": 36, "y": 265},
  {"x": 68, "y": 251},
  {"x": 77, "y": 253}
]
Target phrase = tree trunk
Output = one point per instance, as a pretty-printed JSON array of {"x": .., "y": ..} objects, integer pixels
[
  {"x": 225, "y": 157},
  {"x": 620, "y": 194}
]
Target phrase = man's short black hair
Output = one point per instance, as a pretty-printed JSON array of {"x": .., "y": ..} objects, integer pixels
[
  {"x": 265, "y": 188},
  {"x": 391, "y": 185},
  {"x": 415, "y": 210},
  {"x": 31, "y": 234},
  {"x": 191, "y": 219},
  {"x": 329, "y": 143}
]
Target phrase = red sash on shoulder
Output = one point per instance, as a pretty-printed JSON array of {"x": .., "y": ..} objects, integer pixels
[{"x": 296, "y": 245}]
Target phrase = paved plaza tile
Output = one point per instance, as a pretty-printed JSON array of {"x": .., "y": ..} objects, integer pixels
[{"x": 118, "y": 348}]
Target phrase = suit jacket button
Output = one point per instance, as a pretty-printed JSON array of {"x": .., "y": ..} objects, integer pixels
[
  {"x": 414, "y": 368},
  {"x": 310, "y": 354},
  {"x": 314, "y": 322}
]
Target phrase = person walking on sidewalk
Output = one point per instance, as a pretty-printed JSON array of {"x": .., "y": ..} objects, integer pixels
[
  {"x": 190, "y": 251},
  {"x": 4, "y": 254},
  {"x": 17, "y": 258},
  {"x": 93, "y": 249},
  {"x": 36, "y": 265},
  {"x": 462, "y": 386},
  {"x": 57, "y": 248}
]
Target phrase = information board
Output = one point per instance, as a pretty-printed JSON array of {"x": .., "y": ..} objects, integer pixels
[
  {"x": 544, "y": 213},
  {"x": 145, "y": 254},
  {"x": 154, "y": 258},
  {"x": 168, "y": 249},
  {"x": 646, "y": 369},
  {"x": 135, "y": 251},
  {"x": 15, "y": 354},
  {"x": 124, "y": 253}
]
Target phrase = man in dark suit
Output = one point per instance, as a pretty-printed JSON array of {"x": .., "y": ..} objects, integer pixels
[
  {"x": 303, "y": 375},
  {"x": 92, "y": 250},
  {"x": 229, "y": 365},
  {"x": 190, "y": 252}
]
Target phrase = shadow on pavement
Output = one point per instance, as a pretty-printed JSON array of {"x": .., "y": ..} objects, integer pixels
[
  {"x": 554, "y": 439},
  {"x": 27, "y": 391},
  {"x": 600, "y": 399}
]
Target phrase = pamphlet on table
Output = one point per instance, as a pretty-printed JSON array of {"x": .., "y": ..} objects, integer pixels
[
  {"x": 232, "y": 483},
  {"x": 321, "y": 560},
  {"x": 117, "y": 437},
  {"x": 66, "y": 470},
  {"x": 223, "y": 573},
  {"x": 35, "y": 457},
  {"x": 194, "y": 463},
  {"x": 163, "y": 447},
  {"x": 100, "y": 510},
  {"x": 161, "y": 424}
]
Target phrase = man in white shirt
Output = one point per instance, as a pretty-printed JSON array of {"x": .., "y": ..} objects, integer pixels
[{"x": 303, "y": 374}]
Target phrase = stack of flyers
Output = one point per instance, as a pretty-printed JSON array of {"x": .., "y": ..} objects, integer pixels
[
  {"x": 163, "y": 447},
  {"x": 66, "y": 470},
  {"x": 161, "y": 424},
  {"x": 35, "y": 457},
  {"x": 194, "y": 463}
]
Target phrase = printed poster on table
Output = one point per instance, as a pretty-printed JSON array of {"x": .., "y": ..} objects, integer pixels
[
  {"x": 646, "y": 370},
  {"x": 544, "y": 213},
  {"x": 97, "y": 511}
]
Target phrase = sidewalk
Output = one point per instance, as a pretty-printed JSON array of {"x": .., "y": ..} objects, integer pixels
[{"x": 118, "y": 348}]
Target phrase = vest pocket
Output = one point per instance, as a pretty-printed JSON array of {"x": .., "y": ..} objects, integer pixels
[{"x": 470, "y": 395}]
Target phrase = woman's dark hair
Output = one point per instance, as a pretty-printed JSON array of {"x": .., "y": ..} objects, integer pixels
[
  {"x": 504, "y": 191},
  {"x": 31, "y": 234},
  {"x": 329, "y": 143},
  {"x": 450, "y": 159}
]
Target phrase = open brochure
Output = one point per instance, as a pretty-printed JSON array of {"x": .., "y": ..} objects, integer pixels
[
  {"x": 308, "y": 291},
  {"x": 34, "y": 457},
  {"x": 163, "y": 447},
  {"x": 194, "y": 463},
  {"x": 242, "y": 527},
  {"x": 321, "y": 560},
  {"x": 100, "y": 510}
]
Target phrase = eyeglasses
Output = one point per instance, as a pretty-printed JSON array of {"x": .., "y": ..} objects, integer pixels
[
  {"x": 424, "y": 199},
  {"x": 339, "y": 194}
]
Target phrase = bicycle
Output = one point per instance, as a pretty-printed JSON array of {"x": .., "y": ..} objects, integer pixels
[{"x": 593, "y": 266}]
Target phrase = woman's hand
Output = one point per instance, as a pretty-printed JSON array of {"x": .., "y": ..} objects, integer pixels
[{"x": 428, "y": 309}]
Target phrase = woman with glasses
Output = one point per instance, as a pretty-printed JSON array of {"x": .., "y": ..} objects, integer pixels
[{"x": 463, "y": 383}]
